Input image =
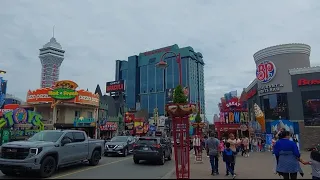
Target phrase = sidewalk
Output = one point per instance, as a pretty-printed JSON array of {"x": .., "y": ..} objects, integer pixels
[{"x": 258, "y": 166}]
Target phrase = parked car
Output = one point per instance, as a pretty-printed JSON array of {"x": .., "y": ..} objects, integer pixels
[
  {"x": 119, "y": 145},
  {"x": 156, "y": 149},
  {"x": 48, "y": 150}
]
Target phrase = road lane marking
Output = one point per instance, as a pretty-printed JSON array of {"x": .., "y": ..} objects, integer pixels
[{"x": 86, "y": 169}]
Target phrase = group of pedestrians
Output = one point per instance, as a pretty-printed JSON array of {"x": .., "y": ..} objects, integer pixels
[{"x": 288, "y": 158}]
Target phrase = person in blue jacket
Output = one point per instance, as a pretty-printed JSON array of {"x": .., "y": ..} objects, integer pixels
[
  {"x": 288, "y": 157},
  {"x": 229, "y": 158}
]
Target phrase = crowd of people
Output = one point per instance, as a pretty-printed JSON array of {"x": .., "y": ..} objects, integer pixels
[{"x": 284, "y": 149}]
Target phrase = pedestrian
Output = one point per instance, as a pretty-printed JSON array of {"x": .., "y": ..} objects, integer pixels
[
  {"x": 288, "y": 157},
  {"x": 221, "y": 146},
  {"x": 196, "y": 144},
  {"x": 254, "y": 145},
  {"x": 229, "y": 158},
  {"x": 315, "y": 162},
  {"x": 212, "y": 147},
  {"x": 245, "y": 143}
]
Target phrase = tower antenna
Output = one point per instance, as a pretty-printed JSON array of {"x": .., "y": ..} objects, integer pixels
[{"x": 53, "y": 32}]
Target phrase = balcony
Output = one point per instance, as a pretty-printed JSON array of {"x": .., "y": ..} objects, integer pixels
[{"x": 84, "y": 122}]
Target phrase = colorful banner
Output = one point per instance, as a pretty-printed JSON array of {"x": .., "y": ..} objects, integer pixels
[
  {"x": 109, "y": 126},
  {"x": 39, "y": 96}
]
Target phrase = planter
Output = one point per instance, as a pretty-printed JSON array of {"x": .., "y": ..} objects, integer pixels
[
  {"x": 201, "y": 125},
  {"x": 180, "y": 109},
  {"x": 195, "y": 125}
]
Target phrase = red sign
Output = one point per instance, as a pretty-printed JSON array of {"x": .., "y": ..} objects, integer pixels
[
  {"x": 115, "y": 86},
  {"x": 251, "y": 93},
  {"x": 129, "y": 117},
  {"x": 266, "y": 71},
  {"x": 306, "y": 82},
  {"x": 165, "y": 49},
  {"x": 110, "y": 126},
  {"x": 233, "y": 103}
]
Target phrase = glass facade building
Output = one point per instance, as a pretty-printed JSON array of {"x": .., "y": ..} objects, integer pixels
[{"x": 146, "y": 84}]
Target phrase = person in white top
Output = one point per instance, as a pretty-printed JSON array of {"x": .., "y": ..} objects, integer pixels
[{"x": 196, "y": 144}]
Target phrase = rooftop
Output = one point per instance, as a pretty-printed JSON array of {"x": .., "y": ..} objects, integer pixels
[{"x": 53, "y": 43}]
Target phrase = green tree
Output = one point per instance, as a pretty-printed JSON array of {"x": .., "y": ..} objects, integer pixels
[
  {"x": 198, "y": 118},
  {"x": 178, "y": 95}
]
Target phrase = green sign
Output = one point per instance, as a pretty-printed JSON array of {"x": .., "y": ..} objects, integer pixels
[{"x": 63, "y": 94}]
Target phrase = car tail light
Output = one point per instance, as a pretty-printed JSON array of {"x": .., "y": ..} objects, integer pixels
[{"x": 157, "y": 145}]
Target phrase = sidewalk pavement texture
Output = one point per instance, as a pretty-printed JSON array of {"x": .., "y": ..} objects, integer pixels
[{"x": 258, "y": 166}]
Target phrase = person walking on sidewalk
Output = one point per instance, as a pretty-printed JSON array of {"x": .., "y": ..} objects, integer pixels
[
  {"x": 196, "y": 145},
  {"x": 229, "y": 158},
  {"x": 212, "y": 146}
]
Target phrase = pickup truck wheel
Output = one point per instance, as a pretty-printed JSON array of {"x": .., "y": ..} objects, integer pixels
[
  {"x": 8, "y": 172},
  {"x": 95, "y": 158},
  {"x": 48, "y": 167},
  {"x": 125, "y": 152}
]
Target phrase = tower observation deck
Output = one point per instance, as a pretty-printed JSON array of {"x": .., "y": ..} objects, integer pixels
[{"x": 51, "y": 57}]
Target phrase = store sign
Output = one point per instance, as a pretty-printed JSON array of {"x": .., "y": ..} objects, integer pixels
[
  {"x": 233, "y": 103},
  {"x": 251, "y": 93},
  {"x": 115, "y": 86},
  {"x": 109, "y": 126},
  {"x": 234, "y": 117},
  {"x": 270, "y": 88},
  {"x": 266, "y": 71},
  {"x": 21, "y": 116},
  {"x": 307, "y": 82},
  {"x": 63, "y": 94}
]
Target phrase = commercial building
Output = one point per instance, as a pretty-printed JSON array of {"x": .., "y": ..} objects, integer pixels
[
  {"x": 51, "y": 56},
  {"x": 148, "y": 87},
  {"x": 65, "y": 107},
  {"x": 287, "y": 90}
]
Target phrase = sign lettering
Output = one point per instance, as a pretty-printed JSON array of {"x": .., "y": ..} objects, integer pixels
[
  {"x": 270, "y": 88},
  {"x": 306, "y": 82},
  {"x": 115, "y": 86}
]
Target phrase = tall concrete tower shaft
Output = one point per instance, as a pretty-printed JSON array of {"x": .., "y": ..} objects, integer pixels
[{"x": 51, "y": 57}]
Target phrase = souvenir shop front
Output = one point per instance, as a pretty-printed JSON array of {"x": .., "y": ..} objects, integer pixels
[{"x": 233, "y": 117}]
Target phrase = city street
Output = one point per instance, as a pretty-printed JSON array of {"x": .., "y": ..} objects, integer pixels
[{"x": 112, "y": 168}]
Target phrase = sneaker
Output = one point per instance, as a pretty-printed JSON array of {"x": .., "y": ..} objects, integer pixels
[
  {"x": 227, "y": 175},
  {"x": 234, "y": 176},
  {"x": 217, "y": 173}
]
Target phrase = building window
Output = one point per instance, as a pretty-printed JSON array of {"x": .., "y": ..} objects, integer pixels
[
  {"x": 76, "y": 114},
  {"x": 90, "y": 114},
  {"x": 311, "y": 107},
  {"x": 275, "y": 106}
]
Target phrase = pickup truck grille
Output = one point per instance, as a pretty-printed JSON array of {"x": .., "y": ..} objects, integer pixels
[{"x": 14, "y": 153}]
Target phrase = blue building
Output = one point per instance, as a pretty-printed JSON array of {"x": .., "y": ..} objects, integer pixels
[{"x": 146, "y": 84}]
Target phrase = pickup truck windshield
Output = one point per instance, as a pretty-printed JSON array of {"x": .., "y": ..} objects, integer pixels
[
  {"x": 52, "y": 136},
  {"x": 119, "y": 139}
]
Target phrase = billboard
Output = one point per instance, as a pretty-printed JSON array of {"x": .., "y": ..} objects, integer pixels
[
  {"x": 115, "y": 86},
  {"x": 170, "y": 93}
]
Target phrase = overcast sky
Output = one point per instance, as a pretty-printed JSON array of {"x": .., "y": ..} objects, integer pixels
[{"x": 95, "y": 33}]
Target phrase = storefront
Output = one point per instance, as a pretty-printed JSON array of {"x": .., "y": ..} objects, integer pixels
[
  {"x": 274, "y": 89},
  {"x": 305, "y": 103},
  {"x": 64, "y": 107},
  {"x": 109, "y": 128},
  {"x": 233, "y": 116}
]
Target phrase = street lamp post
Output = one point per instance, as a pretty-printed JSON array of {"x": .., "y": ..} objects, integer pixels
[{"x": 162, "y": 64}]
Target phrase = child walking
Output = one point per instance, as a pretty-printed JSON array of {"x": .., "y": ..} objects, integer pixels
[
  {"x": 315, "y": 163},
  {"x": 229, "y": 159}
]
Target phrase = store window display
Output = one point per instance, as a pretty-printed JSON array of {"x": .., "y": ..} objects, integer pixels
[
  {"x": 275, "y": 106},
  {"x": 311, "y": 107}
]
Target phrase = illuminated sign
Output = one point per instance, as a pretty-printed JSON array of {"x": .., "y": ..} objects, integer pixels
[
  {"x": 270, "y": 88},
  {"x": 63, "y": 94},
  {"x": 306, "y": 82},
  {"x": 266, "y": 71},
  {"x": 115, "y": 86}
]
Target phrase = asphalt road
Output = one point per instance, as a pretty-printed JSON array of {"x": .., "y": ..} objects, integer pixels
[{"x": 111, "y": 168}]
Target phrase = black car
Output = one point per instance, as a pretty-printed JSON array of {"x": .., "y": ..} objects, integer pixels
[
  {"x": 119, "y": 145},
  {"x": 154, "y": 149}
]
